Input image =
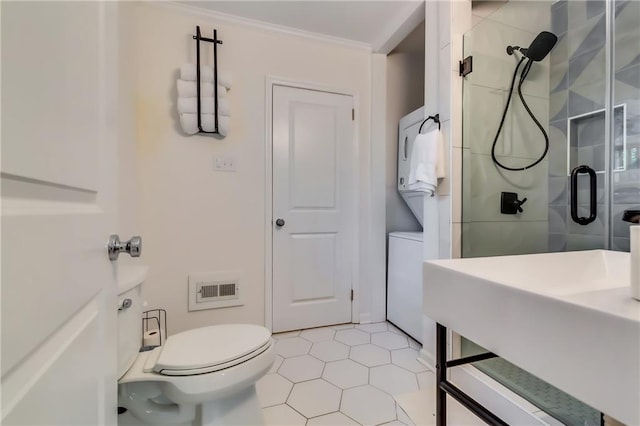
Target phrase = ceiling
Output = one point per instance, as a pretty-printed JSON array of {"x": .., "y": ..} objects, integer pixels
[{"x": 366, "y": 22}]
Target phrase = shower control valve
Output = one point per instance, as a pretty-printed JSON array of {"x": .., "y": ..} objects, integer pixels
[{"x": 509, "y": 203}]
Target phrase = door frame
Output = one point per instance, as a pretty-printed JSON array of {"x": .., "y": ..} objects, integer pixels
[{"x": 272, "y": 81}]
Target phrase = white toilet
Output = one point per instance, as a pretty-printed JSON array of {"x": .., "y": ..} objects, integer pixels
[{"x": 204, "y": 376}]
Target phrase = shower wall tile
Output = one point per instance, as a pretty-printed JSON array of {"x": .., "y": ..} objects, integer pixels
[
  {"x": 559, "y": 17},
  {"x": 524, "y": 138},
  {"x": 520, "y": 137},
  {"x": 488, "y": 182},
  {"x": 481, "y": 123},
  {"x": 558, "y": 105},
  {"x": 627, "y": 34},
  {"x": 559, "y": 65},
  {"x": 576, "y": 14},
  {"x": 504, "y": 238},
  {"x": 558, "y": 149},
  {"x": 595, "y": 7},
  {"x": 557, "y": 242},
  {"x": 630, "y": 75},
  {"x": 558, "y": 219},
  {"x": 585, "y": 99},
  {"x": 584, "y": 242},
  {"x": 532, "y": 17},
  {"x": 558, "y": 191},
  {"x": 627, "y": 54},
  {"x": 492, "y": 67},
  {"x": 588, "y": 36},
  {"x": 587, "y": 68}
]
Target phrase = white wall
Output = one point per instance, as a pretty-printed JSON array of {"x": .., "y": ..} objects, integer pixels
[
  {"x": 127, "y": 176},
  {"x": 405, "y": 93},
  {"x": 194, "y": 219}
]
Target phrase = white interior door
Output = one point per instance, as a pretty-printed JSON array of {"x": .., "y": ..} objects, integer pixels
[
  {"x": 313, "y": 195},
  {"x": 58, "y": 181}
]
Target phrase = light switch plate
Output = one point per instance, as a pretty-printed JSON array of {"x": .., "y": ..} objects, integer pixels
[{"x": 224, "y": 164}]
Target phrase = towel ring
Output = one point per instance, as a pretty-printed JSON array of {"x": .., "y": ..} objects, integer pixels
[{"x": 435, "y": 118}]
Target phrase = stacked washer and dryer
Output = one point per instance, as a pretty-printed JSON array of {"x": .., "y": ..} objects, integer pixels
[{"x": 406, "y": 251}]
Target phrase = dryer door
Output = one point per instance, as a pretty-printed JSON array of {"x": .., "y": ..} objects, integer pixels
[{"x": 407, "y": 131}]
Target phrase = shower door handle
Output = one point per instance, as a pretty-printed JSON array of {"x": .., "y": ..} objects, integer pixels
[{"x": 593, "y": 202}]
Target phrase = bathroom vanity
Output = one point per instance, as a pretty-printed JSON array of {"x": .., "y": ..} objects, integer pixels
[{"x": 567, "y": 318}]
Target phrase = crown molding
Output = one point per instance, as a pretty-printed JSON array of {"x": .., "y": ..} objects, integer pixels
[{"x": 254, "y": 23}]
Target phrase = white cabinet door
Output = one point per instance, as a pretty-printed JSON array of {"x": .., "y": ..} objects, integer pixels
[
  {"x": 313, "y": 194},
  {"x": 59, "y": 62}
]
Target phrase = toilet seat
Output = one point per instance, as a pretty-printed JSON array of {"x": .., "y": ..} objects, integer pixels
[{"x": 209, "y": 349}]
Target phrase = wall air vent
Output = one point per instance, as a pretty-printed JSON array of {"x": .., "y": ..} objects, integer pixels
[
  {"x": 220, "y": 290},
  {"x": 214, "y": 290}
]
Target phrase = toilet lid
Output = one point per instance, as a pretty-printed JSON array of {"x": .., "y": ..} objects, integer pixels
[{"x": 207, "y": 349}]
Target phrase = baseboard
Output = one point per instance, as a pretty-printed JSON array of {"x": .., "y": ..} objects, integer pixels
[
  {"x": 425, "y": 358},
  {"x": 365, "y": 318}
]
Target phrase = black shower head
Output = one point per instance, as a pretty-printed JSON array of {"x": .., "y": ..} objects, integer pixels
[{"x": 539, "y": 47}]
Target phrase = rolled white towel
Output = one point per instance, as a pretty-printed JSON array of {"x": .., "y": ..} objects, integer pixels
[
  {"x": 189, "y": 123},
  {"x": 224, "y": 79},
  {"x": 188, "y": 72},
  {"x": 190, "y": 105},
  {"x": 188, "y": 89}
]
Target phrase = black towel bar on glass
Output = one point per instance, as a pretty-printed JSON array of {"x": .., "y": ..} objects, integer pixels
[
  {"x": 198, "y": 38},
  {"x": 435, "y": 118}
]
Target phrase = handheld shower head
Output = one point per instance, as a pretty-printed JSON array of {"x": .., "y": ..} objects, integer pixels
[{"x": 539, "y": 47}]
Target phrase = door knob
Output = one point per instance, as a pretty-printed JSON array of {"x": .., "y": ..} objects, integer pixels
[
  {"x": 115, "y": 246},
  {"x": 279, "y": 223}
]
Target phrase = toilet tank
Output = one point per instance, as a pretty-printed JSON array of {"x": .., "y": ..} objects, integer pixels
[{"x": 130, "y": 279}]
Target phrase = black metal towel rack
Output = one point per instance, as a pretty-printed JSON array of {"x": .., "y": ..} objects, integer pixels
[
  {"x": 198, "y": 38},
  {"x": 435, "y": 118}
]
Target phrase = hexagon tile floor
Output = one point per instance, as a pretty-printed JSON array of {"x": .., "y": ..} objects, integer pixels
[{"x": 341, "y": 375}]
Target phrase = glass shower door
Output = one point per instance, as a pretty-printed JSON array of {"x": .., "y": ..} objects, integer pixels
[
  {"x": 586, "y": 94},
  {"x": 625, "y": 149}
]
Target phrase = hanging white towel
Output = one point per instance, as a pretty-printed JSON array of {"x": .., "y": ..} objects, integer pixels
[
  {"x": 427, "y": 162},
  {"x": 224, "y": 79},
  {"x": 190, "y": 105},
  {"x": 189, "y": 123},
  {"x": 188, "y": 89}
]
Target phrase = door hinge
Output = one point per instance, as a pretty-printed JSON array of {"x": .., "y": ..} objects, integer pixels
[
  {"x": 353, "y": 114},
  {"x": 466, "y": 66},
  {"x": 352, "y": 295}
]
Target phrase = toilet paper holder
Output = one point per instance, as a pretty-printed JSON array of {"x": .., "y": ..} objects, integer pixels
[{"x": 154, "y": 329}]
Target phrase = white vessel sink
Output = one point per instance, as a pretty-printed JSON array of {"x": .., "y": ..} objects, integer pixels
[{"x": 567, "y": 318}]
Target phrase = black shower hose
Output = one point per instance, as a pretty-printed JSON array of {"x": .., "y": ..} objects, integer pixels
[{"x": 523, "y": 76}]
